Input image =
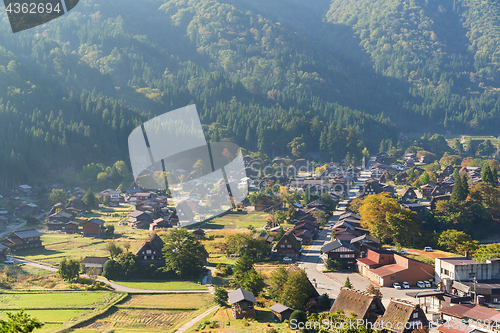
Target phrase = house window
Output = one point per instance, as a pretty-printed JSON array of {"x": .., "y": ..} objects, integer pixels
[
  {"x": 152, "y": 257},
  {"x": 148, "y": 251},
  {"x": 289, "y": 246},
  {"x": 282, "y": 246},
  {"x": 145, "y": 257},
  {"x": 393, "y": 277},
  {"x": 415, "y": 315}
]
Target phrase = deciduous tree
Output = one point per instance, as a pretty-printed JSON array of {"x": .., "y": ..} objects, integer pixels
[{"x": 184, "y": 253}]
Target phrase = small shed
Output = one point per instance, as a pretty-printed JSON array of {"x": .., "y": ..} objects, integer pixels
[
  {"x": 281, "y": 312},
  {"x": 96, "y": 263},
  {"x": 71, "y": 227},
  {"x": 242, "y": 303}
]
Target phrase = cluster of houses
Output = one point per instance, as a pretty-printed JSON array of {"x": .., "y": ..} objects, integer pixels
[{"x": 305, "y": 229}]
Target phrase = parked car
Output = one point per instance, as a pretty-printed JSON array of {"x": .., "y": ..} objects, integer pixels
[
  {"x": 428, "y": 249},
  {"x": 406, "y": 285},
  {"x": 396, "y": 285},
  {"x": 427, "y": 284},
  {"x": 403, "y": 252},
  {"x": 9, "y": 261},
  {"x": 420, "y": 284},
  {"x": 287, "y": 259}
]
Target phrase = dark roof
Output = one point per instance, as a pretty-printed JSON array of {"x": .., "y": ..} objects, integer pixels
[
  {"x": 354, "y": 301},
  {"x": 3, "y": 247},
  {"x": 27, "y": 233},
  {"x": 291, "y": 238},
  {"x": 95, "y": 260},
  {"x": 396, "y": 313},
  {"x": 136, "y": 213},
  {"x": 367, "y": 237},
  {"x": 304, "y": 233},
  {"x": 96, "y": 221},
  {"x": 239, "y": 295},
  {"x": 336, "y": 244},
  {"x": 154, "y": 241},
  {"x": 280, "y": 308},
  {"x": 407, "y": 191}
]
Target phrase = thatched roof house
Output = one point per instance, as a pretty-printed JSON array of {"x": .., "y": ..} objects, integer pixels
[
  {"x": 402, "y": 317},
  {"x": 360, "y": 303}
]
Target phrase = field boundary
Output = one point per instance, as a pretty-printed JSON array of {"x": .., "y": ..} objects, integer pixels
[{"x": 110, "y": 308}]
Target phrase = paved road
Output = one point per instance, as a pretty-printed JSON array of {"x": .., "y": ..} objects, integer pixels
[
  {"x": 311, "y": 262},
  {"x": 116, "y": 286},
  {"x": 331, "y": 283}
]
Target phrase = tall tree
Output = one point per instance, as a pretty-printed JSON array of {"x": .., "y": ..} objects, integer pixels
[
  {"x": 184, "y": 253},
  {"x": 69, "y": 269},
  {"x": 296, "y": 291},
  {"x": 89, "y": 199},
  {"x": 57, "y": 196}
]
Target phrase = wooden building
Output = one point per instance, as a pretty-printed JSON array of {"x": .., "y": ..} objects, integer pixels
[
  {"x": 281, "y": 312},
  {"x": 360, "y": 303},
  {"x": 93, "y": 228},
  {"x": 150, "y": 252},
  {"x": 242, "y": 303},
  {"x": 402, "y": 317}
]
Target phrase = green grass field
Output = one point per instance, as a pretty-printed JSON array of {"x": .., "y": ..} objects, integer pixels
[
  {"x": 60, "y": 300},
  {"x": 235, "y": 220},
  {"x": 163, "y": 285},
  {"x": 57, "y": 309}
]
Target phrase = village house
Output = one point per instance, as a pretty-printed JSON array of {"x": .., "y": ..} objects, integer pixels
[
  {"x": 386, "y": 267},
  {"x": 360, "y": 303},
  {"x": 402, "y": 317},
  {"x": 281, "y": 312},
  {"x": 472, "y": 317},
  {"x": 93, "y": 228},
  {"x": 71, "y": 227},
  {"x": 288, "y": 246},
  {"x": 150, "y": 252},
  {"x": 3, "y": 252},
  {"x": 23, "y": 240},
  {"x": 139, "y": 219},
  {"x": 426, "y": 190},
  {"x": 343, "y": 251},
  {"x": 160, "y": 223},
  {"x": 96, "y": 264},
  {"x": 199, "y": 233},
  {"x": 438, "y": 190},
  {"x": 408, "y": 194},
  {"x": 242, "y": 303},
  {"x": 365, "y": 242}
]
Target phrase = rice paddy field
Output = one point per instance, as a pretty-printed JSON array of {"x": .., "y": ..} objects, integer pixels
[
  {"x": 150, "y": 313},
  {"x": 58, "y": 309}
]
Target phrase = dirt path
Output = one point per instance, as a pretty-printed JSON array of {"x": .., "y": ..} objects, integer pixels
[{"x": 193, "y": 321}]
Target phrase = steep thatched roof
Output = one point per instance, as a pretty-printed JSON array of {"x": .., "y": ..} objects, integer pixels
[
  {"x": 354, "y": 302},
  {"x": 398, "y": 311}
]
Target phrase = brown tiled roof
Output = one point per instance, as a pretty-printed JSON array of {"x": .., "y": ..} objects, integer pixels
[
  {"x": 476, "y": 312},
  {"x": 388, "y": 269},
  {"x": 367, "y": 261},
  {"x": 353, "y": 301},
  {"x": 396, "y": 313}
]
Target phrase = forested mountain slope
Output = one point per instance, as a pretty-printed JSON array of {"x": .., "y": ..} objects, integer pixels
[{"x": 280, "y": 77}]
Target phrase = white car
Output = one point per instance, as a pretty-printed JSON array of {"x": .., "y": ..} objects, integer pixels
[
  {"x": 406, "y": 285},
  {"x": 9, "y": 261},
  {"x": 396, "y": 285},
  {"x": 420, "y": 284},
  {"x": 287, "y": 259},
  {"x": 428, "y": 249},
  {"x": 403, "y": 252},
  {"x": 427, "y": 284}
]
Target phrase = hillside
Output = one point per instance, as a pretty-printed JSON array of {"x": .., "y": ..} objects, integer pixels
[{"x": 281, "y": 77}]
